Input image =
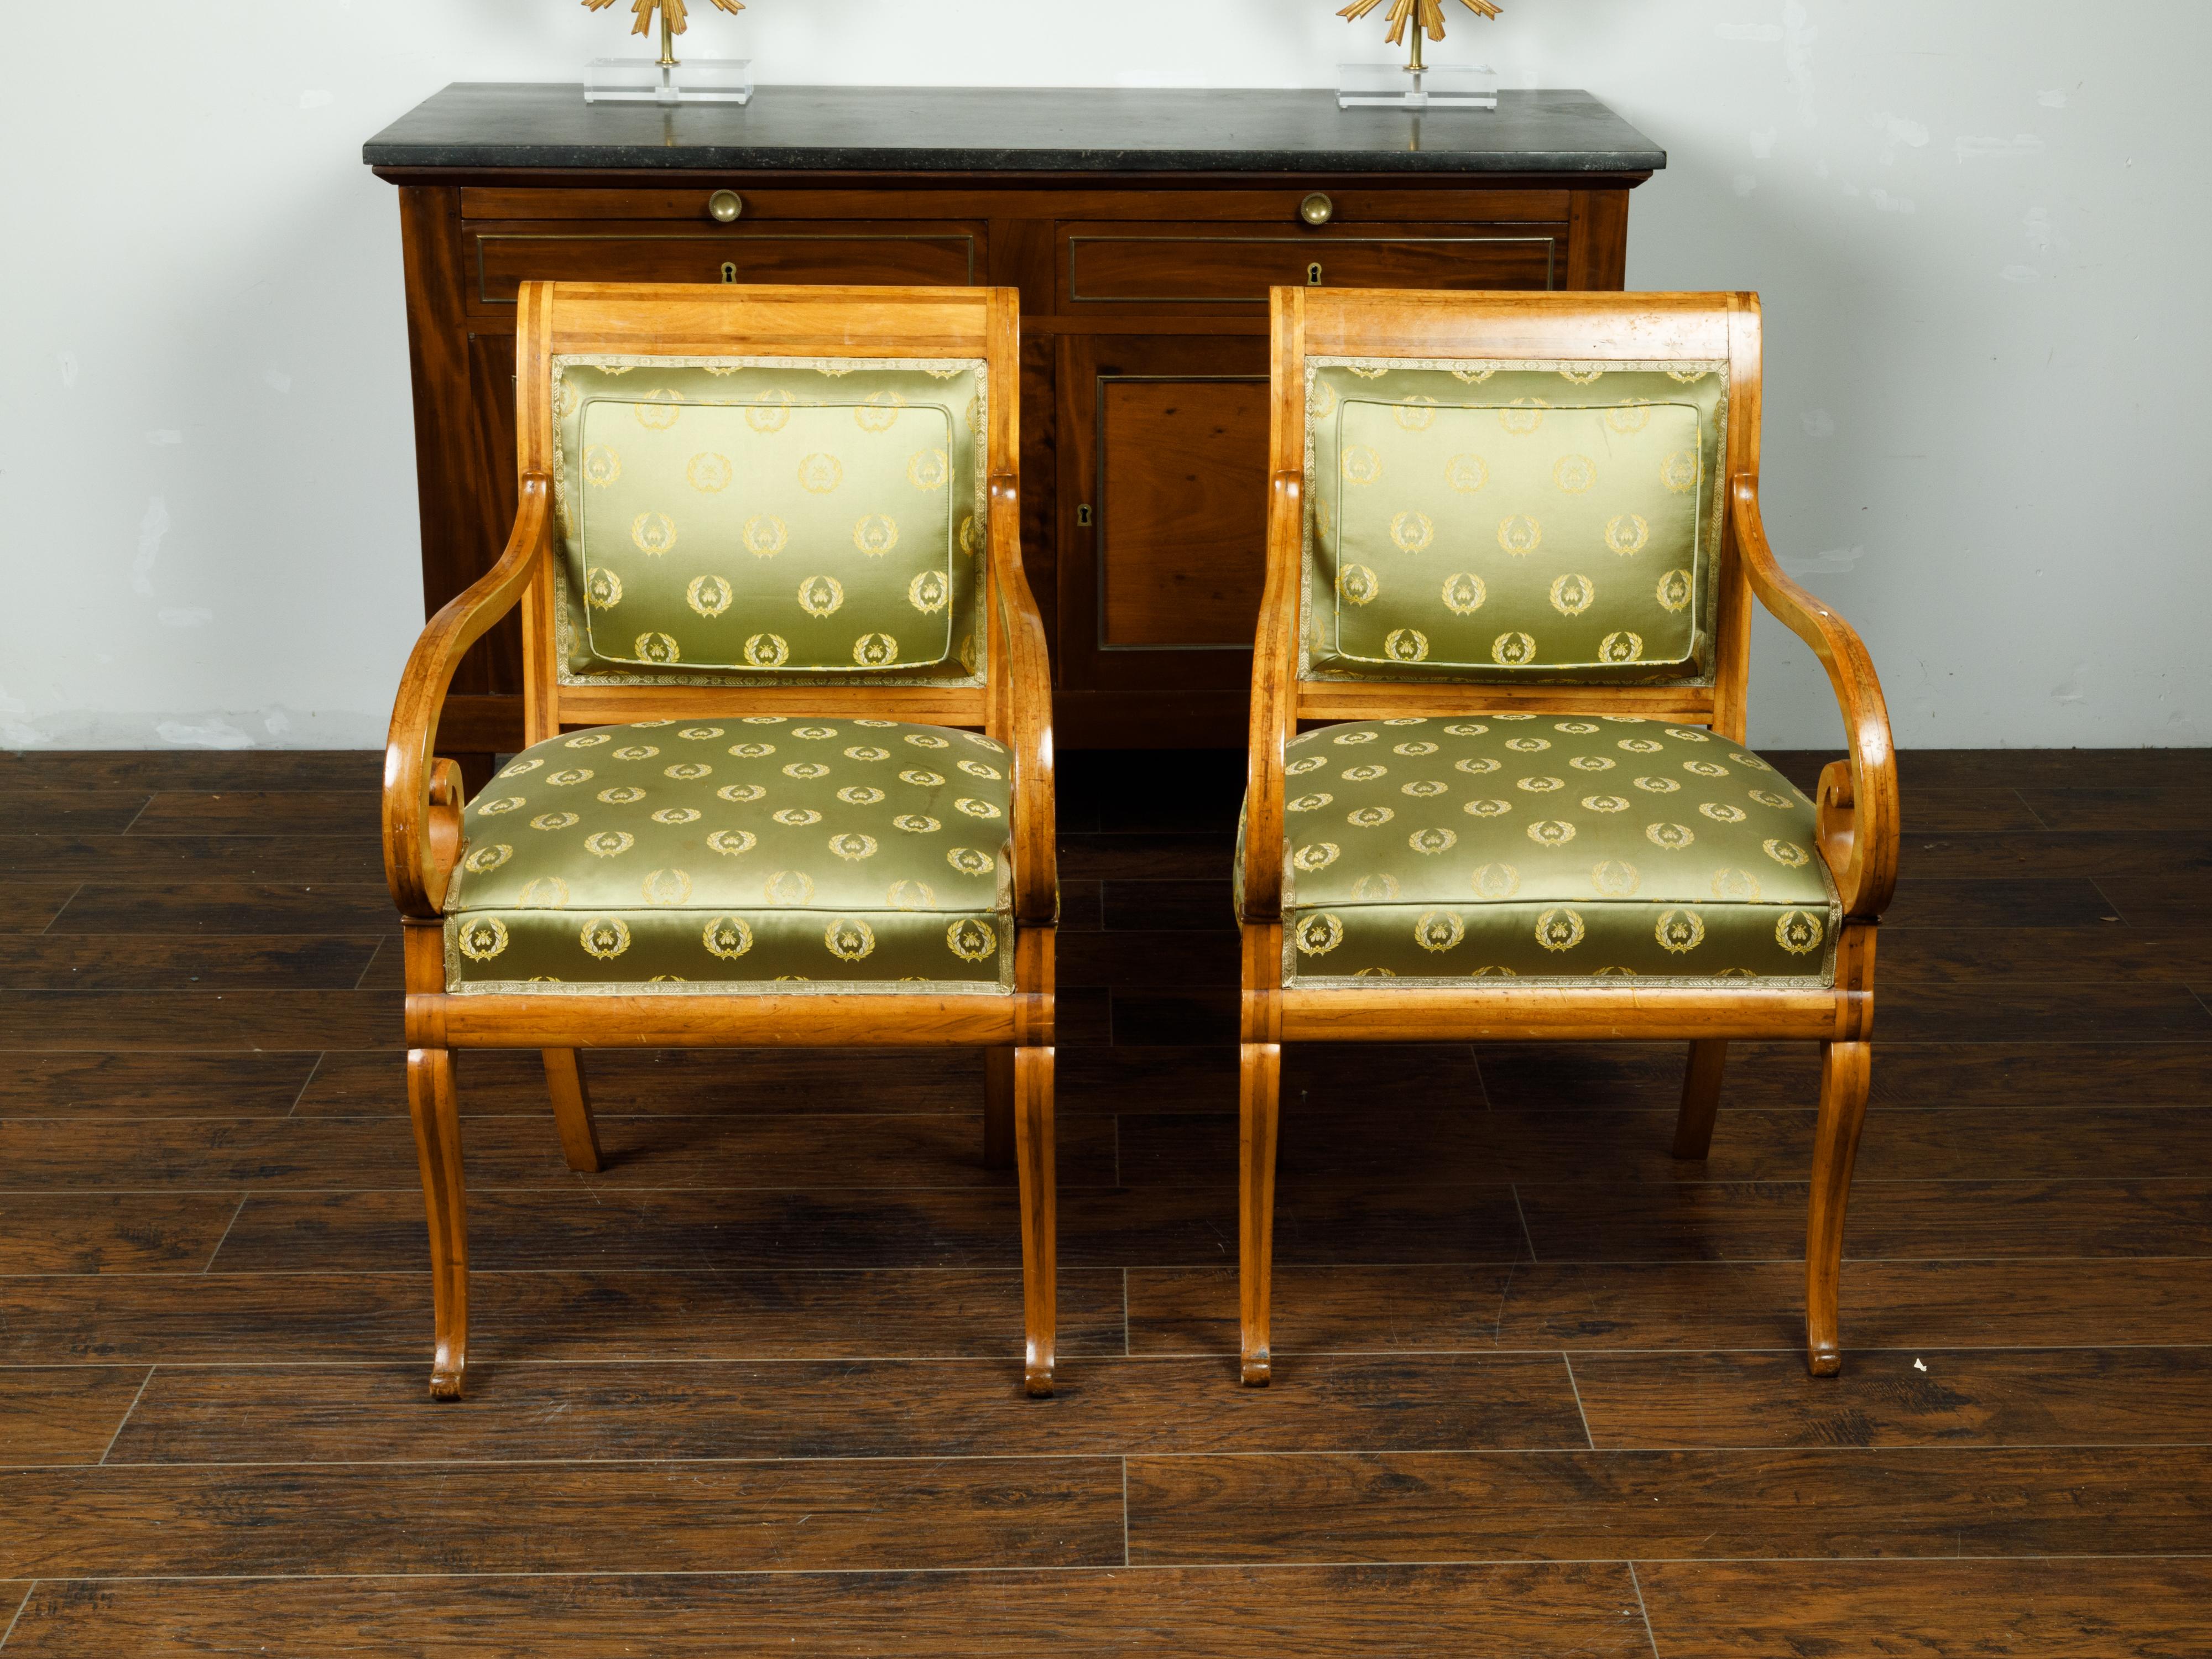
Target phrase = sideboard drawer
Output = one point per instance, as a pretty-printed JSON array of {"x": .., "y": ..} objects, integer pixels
[
  {"x": 500, "y": 257},
  {"x": 1216, "y": 265}
]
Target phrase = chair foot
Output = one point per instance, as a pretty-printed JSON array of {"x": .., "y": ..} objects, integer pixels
[
  {"x": 438, "y": 1152},
  {"x": 1701, "y": 1099},
  {"x": 1260, "y": 1076},
  {"x": 1033, "y": 1153},
  {"x": 1846, "y": 1070}
]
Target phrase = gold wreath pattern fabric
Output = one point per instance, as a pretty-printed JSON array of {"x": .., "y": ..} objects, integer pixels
[
  {"x": 1545, "y": 847},
  {"x": 769, "y": 520},
  {"x": 1487, "y": 521},
  {"x": 758, "y": 853}
]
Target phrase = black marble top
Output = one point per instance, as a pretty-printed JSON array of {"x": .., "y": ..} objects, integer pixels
[{"x": 1009, "y": 129}]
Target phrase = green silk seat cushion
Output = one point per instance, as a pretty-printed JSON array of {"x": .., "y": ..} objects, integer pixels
[
  {"x": 1487, "y": 521},
  {"x": 768, "y": 520},
  {"x": 732, "y": 856},
  {"x": 1564, "y": 850}
]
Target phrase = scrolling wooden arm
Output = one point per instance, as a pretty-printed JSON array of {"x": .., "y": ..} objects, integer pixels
[
  {"x": 1024, "y": 713},
  {"x": 1274, "y": 701},
  {"x": 1858, "y": 810},
  {"x": 422, "y": 794}
]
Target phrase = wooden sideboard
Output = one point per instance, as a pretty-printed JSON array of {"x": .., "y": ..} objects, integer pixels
[{"x": 1143, "y": 230}]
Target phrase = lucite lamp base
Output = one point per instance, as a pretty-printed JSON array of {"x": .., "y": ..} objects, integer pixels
[
  {"x": 692, "y": 81},
  {"x": 1437, "y": 85}
]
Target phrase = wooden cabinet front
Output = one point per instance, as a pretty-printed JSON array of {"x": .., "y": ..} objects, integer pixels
[{"x": 1144, "y": 384}]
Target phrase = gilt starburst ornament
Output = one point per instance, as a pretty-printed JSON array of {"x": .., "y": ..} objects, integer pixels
[
  {"x": 673, "y": 21},
  {"x": 1427, "y": 17}
]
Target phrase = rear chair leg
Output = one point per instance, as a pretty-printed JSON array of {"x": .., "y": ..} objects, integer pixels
[
  {"x": 572, "y": 1108},
  {"x": 1259, "y": 1087},
  {"x": 1846, "y": 1070},
  {"x": 1701, "y": 1099},
  {"x": 1032, "y": 1115},
  {"x": 999, "y": 1108},
  {"x": 438, "y": 1149}
]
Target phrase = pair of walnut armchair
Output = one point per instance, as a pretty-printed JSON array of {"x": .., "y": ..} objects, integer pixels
[{"x": 788, "y": 777}]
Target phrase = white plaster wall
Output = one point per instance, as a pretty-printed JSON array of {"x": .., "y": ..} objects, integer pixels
[{"x": 1979, "y": 225}]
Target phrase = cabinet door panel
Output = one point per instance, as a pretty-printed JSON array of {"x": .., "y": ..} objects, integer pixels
[
  {"x": 1163, "y": 468},
  {"x": 1182, "y": 515}
]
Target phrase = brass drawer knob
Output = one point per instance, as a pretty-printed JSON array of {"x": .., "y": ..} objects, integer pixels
[
  {"x": 1316, "y": 210},
  {"x": 724, "y": 206}
]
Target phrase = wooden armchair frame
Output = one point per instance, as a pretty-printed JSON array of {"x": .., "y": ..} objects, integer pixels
[
  {"x": 423, "y": 794},
  {"x": 1857, "y": 805}
]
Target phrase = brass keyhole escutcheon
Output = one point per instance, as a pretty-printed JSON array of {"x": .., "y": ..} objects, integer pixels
[
  {"x": 729, "y": 271},
  {"x": 1083, "y": 516},
  {"x": 724, "y": 206},
  {"x": 1316, "y": 210},
  {"x": 1313, "y": 275}
]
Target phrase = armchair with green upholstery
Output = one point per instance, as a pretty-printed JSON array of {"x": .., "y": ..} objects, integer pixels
[
  {"x": 1500, "y": 787},
  {"x": 789, "y": 770}
]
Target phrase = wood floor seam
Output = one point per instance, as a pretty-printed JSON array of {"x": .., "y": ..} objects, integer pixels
[
  {"x": 1353, "y": 1454},
  {"x": 29, "y": 1590},
  {"x": 555, "y": 1185},
  {"x": 2118, "y": 914},
  {"x": 308, "y": 1081},
  {"x": 360, "y": 981},
  {"x": 902, "y": 1460},
  {"x": 124, "y": 1419},
  {"x": 1071, "y": 1263},
  {"x": 1149, "y": 1356},
  {"x": 62, "y": 908},
  {"x": 1582, "y": 1413},
  {"x": 1649, "y": 1635},
  {"x": 1528, "y": 1236},
  {"x": 1332, "y": 1564},
  {"x": 1125, "y": 1511},
  {"x": 209, "y": 1264},
  {"x": 2029, "y": 807}
]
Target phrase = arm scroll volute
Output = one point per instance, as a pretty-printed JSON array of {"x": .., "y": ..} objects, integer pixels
[
  {"x": 422, "y": 794},
  {"x": 1857, "y": 809}
]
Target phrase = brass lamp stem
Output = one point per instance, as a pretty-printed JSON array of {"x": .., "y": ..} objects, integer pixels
[
  {"x": 667, "y": 41},
  {"x": 1414, "y": 63}
]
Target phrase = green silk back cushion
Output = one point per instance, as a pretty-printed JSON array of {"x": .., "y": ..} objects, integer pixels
[
  {"x": 1564, "y": 850},
  {"x": 1477, "y": 521},
  {"x": 769, "y": 520},
  {"x": 754, "y": 854}
]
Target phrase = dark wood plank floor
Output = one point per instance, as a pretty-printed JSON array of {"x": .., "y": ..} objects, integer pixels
[{"x": 754, "y": 1389}]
